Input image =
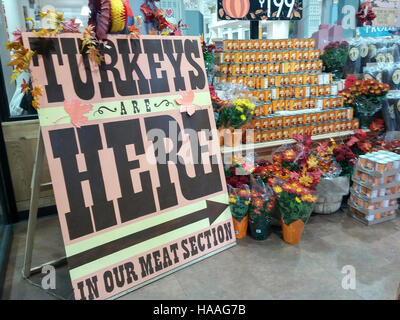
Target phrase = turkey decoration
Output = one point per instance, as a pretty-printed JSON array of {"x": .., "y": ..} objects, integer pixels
[
  {"x": 236, "y": 8},
  {"x": 109, "y": 16}
]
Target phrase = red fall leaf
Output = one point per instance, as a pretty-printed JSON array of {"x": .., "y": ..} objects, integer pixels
[{"x": 77, "y": 111}]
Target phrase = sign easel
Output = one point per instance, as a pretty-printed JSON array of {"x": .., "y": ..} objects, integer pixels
[{"x": 27, "y": 269}]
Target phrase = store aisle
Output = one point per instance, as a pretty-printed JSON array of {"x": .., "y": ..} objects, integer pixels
[{"x": 269, "y": 269}]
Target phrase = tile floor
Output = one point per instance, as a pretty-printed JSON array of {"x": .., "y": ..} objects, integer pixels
[{"x": 269, "y": 269}]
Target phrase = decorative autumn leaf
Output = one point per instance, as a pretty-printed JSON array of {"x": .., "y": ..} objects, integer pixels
[
  {"x": 149, "y": 15},
  {"x": 42, "y": 33},
  {"x": 259, "y": 11},
  {"x": 88, "y": 33},
  {"x": 15, "y": 74},
  {"x": 252, "y": 15},
  {"x": 228, "y": 18},
  {"x": 70, "y": 26},
  {"x": 186, "y": 102},
  {"x": 21, "y": 58},
  {"x": 36, "y": 91},
  {"x": 291, "y": 15},
  {"x": 17, "y": 35},
  {"x": 221, "y": 12},
  {"x": 296, "y": 14},
  {"x": 12, "y": 45},
  {"x": 77, "y": 111},
  {"x": 35, "y": 103},
  {"x": 153, "y": 32},
  {"x": 274, "y": 14},
  {"x": 95, "y": 55},
  {"x": 133, "y": 29},
  {"x": 24, "y": 87}
]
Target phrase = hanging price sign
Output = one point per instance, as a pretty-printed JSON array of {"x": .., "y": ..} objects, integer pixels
[{"x": 260, "y": 9}]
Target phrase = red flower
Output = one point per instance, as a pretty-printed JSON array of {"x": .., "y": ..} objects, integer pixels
[
  {"x": 213, "y": 93},
  {"x": 350, "y": 81},
  {"x": 340, "y": 157},
  {"x": 365, "y": 146},
  {"x": 360, "y": 134},
  {"x": 376, "y": 125}
]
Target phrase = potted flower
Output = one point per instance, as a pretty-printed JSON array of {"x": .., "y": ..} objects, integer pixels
[
  {"x": 365, "y": 97},
  {"x": 209, "y": 55},
  {"x": 239, "y": 200},
  {"x": 233, "y": 116},
  {"x": 218, "y": 104},
  {"x": 336, "y": 163},
  {"x": 334, "y": 58},
  {"x": 295, "y": 203},
  {"x": 262, "y": 204}
]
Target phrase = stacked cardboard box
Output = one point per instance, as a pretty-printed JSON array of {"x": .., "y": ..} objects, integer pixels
[{"x": 376, "y": 187}]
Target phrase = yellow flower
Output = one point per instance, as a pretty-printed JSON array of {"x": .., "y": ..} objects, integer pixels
[
  {"x": 312, "y": 162},
  {"x": 243, "y": 117},
  {"x": 240, "y": 109},
  {"x": 277, "y": 189},
  {"x": 306, "y": 180},
  {"x": 298, "y": 200},
  {"x": 246, "y": 203}
]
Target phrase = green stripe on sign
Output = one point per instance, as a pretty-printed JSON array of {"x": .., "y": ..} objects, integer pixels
[
  {"x": 101, "y": 239},
  {"x": 221, "y": 198},
  {"x": 137, "y": 249},
  {"x": 108, "y": 110}
]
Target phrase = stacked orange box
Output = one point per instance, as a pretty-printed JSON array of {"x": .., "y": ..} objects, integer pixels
[
  {"x": 286, "y": 78},
  {"x": 376, "y": 187}
]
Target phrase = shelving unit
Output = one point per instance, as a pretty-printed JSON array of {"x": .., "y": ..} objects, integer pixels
[{"x": 272, "y": 144}]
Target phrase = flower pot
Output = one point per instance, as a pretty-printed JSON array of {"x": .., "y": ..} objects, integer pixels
[
  {"x": 330, "y": 192},
  {"x": 292, "y": 233},
  {"x": 233, "y": 138},
  {"x": 240, "y": 227},
  {"x": 365, "y": 121},
  {"x": 260, "y": 228}
]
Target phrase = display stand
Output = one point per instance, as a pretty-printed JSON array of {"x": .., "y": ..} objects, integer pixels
[{"x": 27, "y": 269}]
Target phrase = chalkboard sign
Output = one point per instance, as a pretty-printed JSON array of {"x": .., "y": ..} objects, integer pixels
[{"x": 260, "y": 9}]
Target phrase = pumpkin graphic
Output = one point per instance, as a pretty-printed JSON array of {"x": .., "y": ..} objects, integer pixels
[{"x": 236, "y": 8}]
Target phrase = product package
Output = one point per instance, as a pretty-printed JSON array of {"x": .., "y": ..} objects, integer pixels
[{"x": 376, "y": 187}]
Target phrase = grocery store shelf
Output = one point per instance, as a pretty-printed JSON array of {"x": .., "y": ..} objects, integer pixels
[{"x": 277, "y": 143}]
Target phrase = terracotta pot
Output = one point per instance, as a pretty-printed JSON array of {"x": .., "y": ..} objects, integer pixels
[
  {"x": 240, "y": 227},
  {"x": 233, "y": 138},
  {"x": 292, "y": 233}
]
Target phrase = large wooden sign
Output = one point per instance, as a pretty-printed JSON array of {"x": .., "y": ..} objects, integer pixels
[
  {"x": 260, "y": 9},
  {"x": 137, "y": 176}
]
